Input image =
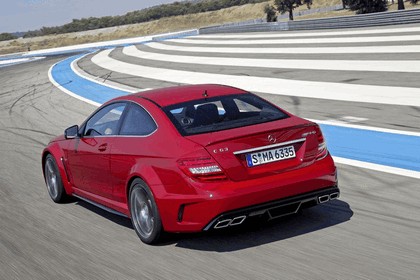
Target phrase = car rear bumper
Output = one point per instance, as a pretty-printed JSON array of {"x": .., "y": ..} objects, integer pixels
[
  {"x": 274, "y": 209},
  {"x": 227, "y": 203}
]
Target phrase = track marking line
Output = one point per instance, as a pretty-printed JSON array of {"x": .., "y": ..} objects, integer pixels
[
  {"x": 310, "y": 64},
  {"x": 283, "y": 50},
  {"x": 303, "y": 41},
  {"x": 351, "y": 119},
  {"x": 320, "y": 90},
  {"x": 378, "y": 167},
  {"x": 312, "y": 34},
  {"x": 370, "y": 128},
  {"x": 65, "y": 90},
  {"x": 15, "y": 61},
  {"x": 84, "y": 75}
]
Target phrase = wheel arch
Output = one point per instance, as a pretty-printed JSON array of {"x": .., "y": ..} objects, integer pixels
[
  {"x": 128, "y": 187},
  {"x": 148, "y": 175},
  {"x": 56, "y": 153},
  {"x": 145, "y": 173}
]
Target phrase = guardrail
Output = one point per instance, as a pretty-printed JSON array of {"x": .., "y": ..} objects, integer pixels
[
  {"x": 367, "y": 20},
  {"x": 376, "y": 19},
  {"x": 258, "y": 27},
  {"x": 175, "y": 35}
]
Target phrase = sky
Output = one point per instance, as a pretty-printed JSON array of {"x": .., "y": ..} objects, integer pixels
[{"x": 24, "y": 15}]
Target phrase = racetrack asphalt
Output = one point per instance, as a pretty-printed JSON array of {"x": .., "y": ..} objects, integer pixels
[{"x": 371, "y": 232}]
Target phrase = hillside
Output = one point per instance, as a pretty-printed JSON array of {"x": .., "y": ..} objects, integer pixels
[{"x": 169, "y": 24}]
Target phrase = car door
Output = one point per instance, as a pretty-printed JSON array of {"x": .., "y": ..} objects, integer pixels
[
  {"x": 89, "y": 161},
  {"x": 132, "y": 149}
]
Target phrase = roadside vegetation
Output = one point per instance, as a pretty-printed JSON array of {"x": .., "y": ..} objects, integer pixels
[
  {"x": 287, "y": 6},
  {"x": 351, "y": 7},
  {"x": 140, "y": 16},
  {"x": 348, "y": 12},
  {"x": 7, "y": 36}
]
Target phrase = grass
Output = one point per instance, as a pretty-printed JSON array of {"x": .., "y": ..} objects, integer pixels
[{"x": 233, "y": 14}]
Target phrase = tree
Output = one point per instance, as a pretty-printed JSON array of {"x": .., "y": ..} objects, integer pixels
[
  {"x": 284, "y": 6},
  {"x": 368, "y": 6},
  {"x": 152, "y": 13},
  {"x": 401, "y": 5},
  {"x": 7, "y": 36},
  {"x": 414, "y": 1},
  {"x": 270, "y": 11}
]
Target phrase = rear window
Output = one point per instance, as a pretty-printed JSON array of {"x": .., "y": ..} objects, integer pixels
[{"x": 222, "y": 112}]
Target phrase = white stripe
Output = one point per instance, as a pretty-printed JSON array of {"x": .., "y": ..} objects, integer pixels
[
  {"x": 311, "y": 64},
  {"x": 371, "y": 128},
  {"x": 20, "y": 60},
  {"x": 315, "y": 50},
  {"x": 303, "y": 41},
  {"x": 310, "y": 34},
  {"x": 322, "y": 90},
  {"x": 378, "y": 167},
  {"x": 17, "y": 60}
]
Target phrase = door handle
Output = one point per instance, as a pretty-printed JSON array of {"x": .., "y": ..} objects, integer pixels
[{"x": 103, "y": 147}]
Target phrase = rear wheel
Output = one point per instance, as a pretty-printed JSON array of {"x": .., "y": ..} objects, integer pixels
[
  {"x": 53, "y": 180},
  {"x": 144, "y": 213}
]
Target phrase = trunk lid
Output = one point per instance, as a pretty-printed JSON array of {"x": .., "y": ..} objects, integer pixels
[{"x": 266, "y": 144}]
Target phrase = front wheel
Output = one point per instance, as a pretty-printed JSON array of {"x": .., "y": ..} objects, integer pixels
[
  {"x": 144, "y": 212},
  {"x": 53, "y": 180}
]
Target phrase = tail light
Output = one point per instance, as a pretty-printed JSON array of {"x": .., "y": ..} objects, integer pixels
[
  {"x": 202, "y": 168},
  {"x": 322, "y": 146}
]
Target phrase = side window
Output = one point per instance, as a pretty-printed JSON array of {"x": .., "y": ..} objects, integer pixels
[
  {"x": 105, "y": 121},
  {"x": 137, "y": 122}
]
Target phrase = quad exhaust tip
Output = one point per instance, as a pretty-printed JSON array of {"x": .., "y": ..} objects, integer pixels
[
  {"x": 240, "y": 219},
  {"x": 328, "y": 197},
  {"x": 334, "y": 195},
  {"x": 323, "y": 198},
  {"x": 230, "y": 222}
]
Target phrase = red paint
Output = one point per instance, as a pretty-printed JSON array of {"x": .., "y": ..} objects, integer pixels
[{"x": 101, "y": 168}]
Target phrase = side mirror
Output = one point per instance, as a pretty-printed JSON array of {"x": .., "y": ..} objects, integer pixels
[{"x": 71, "y": 132}]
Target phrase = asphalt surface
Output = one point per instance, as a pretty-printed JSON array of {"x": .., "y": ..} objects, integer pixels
[{"x": 371, "y": 232}]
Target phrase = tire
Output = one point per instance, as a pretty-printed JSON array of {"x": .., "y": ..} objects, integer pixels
[
  {"x": 144, "y": 213},
  {"x": 53, "y": 180}
]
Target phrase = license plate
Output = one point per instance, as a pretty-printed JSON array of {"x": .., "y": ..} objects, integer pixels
[{"x": 268, "y": 156}]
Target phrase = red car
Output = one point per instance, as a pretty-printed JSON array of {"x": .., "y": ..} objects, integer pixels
[{"x": 192, "y": 158}]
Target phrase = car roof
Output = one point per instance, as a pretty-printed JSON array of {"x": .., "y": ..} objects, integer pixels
[{"x": 179, "y": 94}]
